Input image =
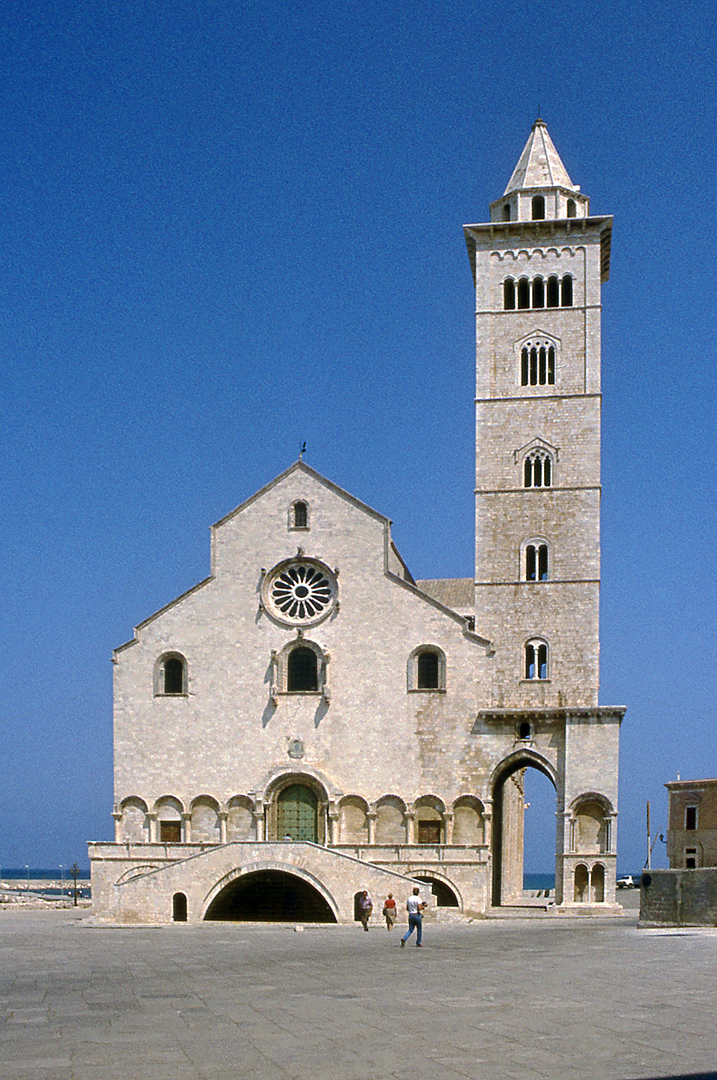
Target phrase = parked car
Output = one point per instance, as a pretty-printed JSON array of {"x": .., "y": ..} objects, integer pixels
[{"x": 628, "y": 882}]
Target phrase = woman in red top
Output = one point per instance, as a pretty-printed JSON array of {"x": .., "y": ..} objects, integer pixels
[{"x": 389, "y": 911}]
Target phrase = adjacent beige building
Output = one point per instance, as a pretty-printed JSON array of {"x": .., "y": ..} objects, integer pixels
[
  {"x": 310, "y": 720},
  {"x": 692, "y": 828}
]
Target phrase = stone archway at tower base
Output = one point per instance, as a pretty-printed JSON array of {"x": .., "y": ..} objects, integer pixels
[{"x": 140, "y": 883}]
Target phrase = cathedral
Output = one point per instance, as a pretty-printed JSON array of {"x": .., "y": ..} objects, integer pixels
[{"x": 310, "y": 721}]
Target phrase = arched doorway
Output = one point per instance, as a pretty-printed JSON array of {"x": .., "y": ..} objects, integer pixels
[
  {"x": 297, "y": 813},
  {"x": 524, "y": 785},
  {"x": 270, "y": 896}
]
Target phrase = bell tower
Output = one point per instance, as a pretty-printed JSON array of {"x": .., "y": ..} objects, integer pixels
[{"x": 538, "y": 267}]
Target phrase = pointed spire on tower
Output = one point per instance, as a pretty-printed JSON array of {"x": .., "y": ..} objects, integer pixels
[{"x": 539, "y": 164}]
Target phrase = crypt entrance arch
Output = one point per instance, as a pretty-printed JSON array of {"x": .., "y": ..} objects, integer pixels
[
  {"x": 269, "y": 894},
  {"x": 508, "y": 833}
]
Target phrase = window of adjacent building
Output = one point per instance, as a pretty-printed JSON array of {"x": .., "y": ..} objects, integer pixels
[
  {"x": 302, "y": 670},
  {"x": 690, "y": 817},
  {"x": 536, "y": 660},
  {"x": 537, "y": 364},
  {"x": 690, "y": 858},
  {"x": 536, "y": 562},
  {"x": 537, "y": 470},
  {"x": 538, "y": 208}
]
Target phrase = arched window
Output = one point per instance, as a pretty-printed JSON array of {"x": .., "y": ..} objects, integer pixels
[
  {"x": 179, "y": 907},
  {"x": 506, "y": 212},
  {"x": 509, "y": 294},
  {"x": 537, "y": 364},
  {"x": 523, "y": 293},
  {"x": 571, "y": 207},
  {"x": 302, "y": 670},
  {"x": 566, "y": 291},
  {"x": 538, "y": 292},
  {"x": 524, "y": 730},
  {"x": 299, "y": 515},
  {"x": 537, "y": 470},
  {"x": 538, "y": 208},
  {"x": 536, "y": 561},
  {"x": 553, "y": 292},
  {"x": 536, "y": 660},
  {"x": 170, "y": 675},
  {"x": 427, "y": 668},
  {"x": 427, "y": 671}
]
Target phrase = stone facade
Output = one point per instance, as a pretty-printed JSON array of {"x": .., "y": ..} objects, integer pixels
[
  {"x": 309, "y": 720},
  {"x": 692, "y": 828}
]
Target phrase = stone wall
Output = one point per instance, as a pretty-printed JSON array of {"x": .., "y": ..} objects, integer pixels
[{"x": 679, "y": 897}]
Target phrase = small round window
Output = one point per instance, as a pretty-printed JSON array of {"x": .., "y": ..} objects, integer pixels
[{"x": 299, "y": 592}]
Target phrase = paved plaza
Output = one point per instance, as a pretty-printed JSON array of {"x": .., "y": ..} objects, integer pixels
[{"x": 567, "y": 999}]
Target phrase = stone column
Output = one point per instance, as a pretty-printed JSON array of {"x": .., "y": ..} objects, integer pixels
[
  {"x": 410, "y": 826},
  {"x": 117, "y": 815},
  {"x": 186, "y": 827},
  {"x": 152, "y": 820},
  {"x": 258, "y": 813},
  {"x": 371, "y": 818},
  {"x": 333, "y": 827},
  {"x": 448, "y": 827},
  {"x": 222, "y": 815}
]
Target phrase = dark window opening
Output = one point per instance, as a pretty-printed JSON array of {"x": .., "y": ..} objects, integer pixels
[
  {"x": 170, "y": 832},
  {"x": 179, "y": 907},
  {"x": 524, "y": 731},
  {"x": 536, "y": 660},
  {"x": 690, "y": 817},
  {"x": 302, "y": 670},
  {"x": 509, "y": 295},
  {"x": 506, "y": 212},
  {"x": 429, "y": 832},
  {"x": 536, "y": 562},
  {"x": 690, "y": 858},
  {"x": 538, "y": 292},
  {"x": 571, "y": 207},
  {"x": 538, "y": 208},
  {"x": 428, "y": 667},
  {"x": 173, "y": 676},
  {"x": 523, "y": 293},
  {"x": 553, "y": 292},
  {"x": 566, "y": 286},
  {"x": 301, "y": 515}
]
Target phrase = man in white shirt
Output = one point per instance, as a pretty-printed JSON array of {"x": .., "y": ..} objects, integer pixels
[{"x": 414, "y": 906}]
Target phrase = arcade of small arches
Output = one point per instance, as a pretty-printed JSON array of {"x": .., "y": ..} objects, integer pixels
[
  {"x": 524, "y": 293},
  {"x": 297, "y": 808}
]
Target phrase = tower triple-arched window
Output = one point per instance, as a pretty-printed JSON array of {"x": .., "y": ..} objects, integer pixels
[
  {"x": 537, "y": 469},
  {"x": 537, "y": 292},
  {"x": 537, "y": 364},
  {"x": 536, "y": 659}
]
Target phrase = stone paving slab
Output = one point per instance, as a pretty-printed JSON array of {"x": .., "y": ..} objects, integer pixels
[{"x": 496, "y": 1000}]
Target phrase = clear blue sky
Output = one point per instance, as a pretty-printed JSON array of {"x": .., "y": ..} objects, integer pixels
[{"x": 227, "y": 228}]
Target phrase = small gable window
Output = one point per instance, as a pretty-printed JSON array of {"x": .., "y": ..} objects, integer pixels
[
  {"x": 537, "y": 470},
  {"x": 506, "y": 212},
  {"x": 299, "y": 515},
  {"x": 571, "y": 207},
  {"x": 170, "y": 675},
  {"x": 536, "y": 660},
  {"x": 302, "y": 670}
]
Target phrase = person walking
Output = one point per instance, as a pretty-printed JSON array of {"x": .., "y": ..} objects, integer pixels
[
  {"x": 389, "y": 911},
  {"x": 365, "y": 908},
  {"x": 414, "y": 906}
]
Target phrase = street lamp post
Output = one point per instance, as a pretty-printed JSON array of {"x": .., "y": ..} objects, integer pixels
[
  {"x": 62, "y": 880},
  {"x": 75, "y": 871}
]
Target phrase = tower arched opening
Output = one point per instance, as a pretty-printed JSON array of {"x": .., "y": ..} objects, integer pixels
[
  {"x": 270, "y": 896},
  {"x": 524, "y": 828}
]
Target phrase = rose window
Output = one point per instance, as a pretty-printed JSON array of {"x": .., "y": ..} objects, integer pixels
[{"x": 300, "y": 592}]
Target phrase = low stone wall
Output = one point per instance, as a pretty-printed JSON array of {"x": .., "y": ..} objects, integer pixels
[{"x": 679, "y": 897}]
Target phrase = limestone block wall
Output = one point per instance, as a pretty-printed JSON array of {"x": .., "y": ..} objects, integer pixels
[{"x": 679, "y": 897}]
